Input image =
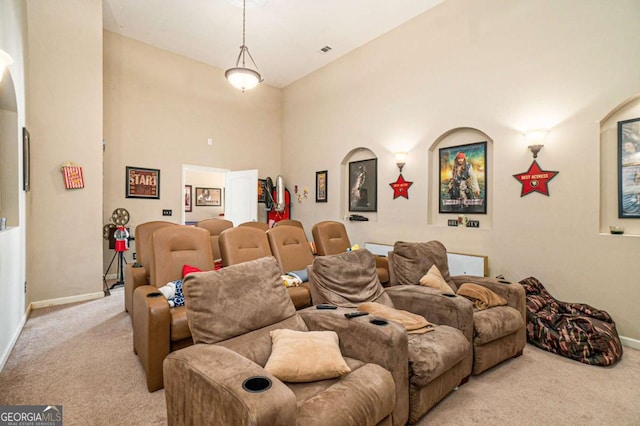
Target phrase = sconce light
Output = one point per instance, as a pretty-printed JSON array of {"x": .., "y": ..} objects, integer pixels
[
  {"x": 401, "y": 158},
  {"x": 5, "y": 61},
  {"x": 534, "y": 137}
]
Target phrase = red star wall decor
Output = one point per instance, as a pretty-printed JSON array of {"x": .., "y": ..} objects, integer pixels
[
  {"x": 400, "y": 187},
  {"x": 535, "y": 180}
]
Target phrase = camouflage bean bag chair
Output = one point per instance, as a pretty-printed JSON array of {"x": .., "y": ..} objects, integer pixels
[{"x": 573, "y": 330}]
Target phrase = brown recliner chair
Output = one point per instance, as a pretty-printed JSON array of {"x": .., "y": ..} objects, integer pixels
[
  {"x": 258, "y": 225},
  {"x": 331, "y": 237},
  {"x": 291, "y": 249},
  {"x": 137, "y": 274},
  {"x": 222, "y": 380},
  {"x": 288, "y": 222},
  {"x": 159, "y": 329},
  {"x": 246, "y": 243},
  {"x": 215, "y": 227},
  {"x": 499, "y": 332},
  {"x": 439, "y": 360}
]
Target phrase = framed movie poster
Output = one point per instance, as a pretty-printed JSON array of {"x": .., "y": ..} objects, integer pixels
[
  {"x": 143, "y": 183},
  {"x": 629, "y": 168},
  {"x": 209, "y": 197},
  {"x": 463, "y": 179},
  {"x": 363, "y": 185},
  {"x": 188, "y": 204},
  {"x": 321, "y": 186}
]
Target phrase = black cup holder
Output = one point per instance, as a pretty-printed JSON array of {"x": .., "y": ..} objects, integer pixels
[
  {"x": 256, "y": 384},
  {"x": 378, "y": 321},
  {"x": 154, "y": 294},
  {"x": 137, "y": 265}
]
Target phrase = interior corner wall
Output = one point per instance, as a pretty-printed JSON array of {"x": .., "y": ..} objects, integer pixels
[
  {"x": 501, "y": 68},
  {"x": 65, "y": 123}
]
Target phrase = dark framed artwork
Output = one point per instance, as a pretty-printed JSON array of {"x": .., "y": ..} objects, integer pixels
[
  {"x": 363, "y": 185},
  {"x": 209, "y": 197},
  {"x": 143, "y": 183},
  {"x": 188, "y": 204},
  {"x": 463, "y": 179},
  {"x": 321, "y": 186},
  {"x": 629, "y": 168},
  {"x": 262, "y": 190},
  {"x": 26, "y": 159}
]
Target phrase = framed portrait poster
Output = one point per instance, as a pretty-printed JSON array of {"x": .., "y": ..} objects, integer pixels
[
  {"x": 363, "y": 185},
  {"x": 262, "y": 190},
  {"x": 463, "y": 179},
  {"x": 209, "y": 197},
  {"x": 188, "y": 205},
  {"x": 143, "y": 183},
  {"x": 26, "y": 160},
  {"x": 629, "y": 168},
  {"x": 321, "y": 186}
]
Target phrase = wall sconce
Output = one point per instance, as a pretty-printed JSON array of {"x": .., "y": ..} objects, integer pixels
[
  {"x": 534, "y": 137},
  {"x": 5, "y": 61},
  {"x": 401, "y": 159}
]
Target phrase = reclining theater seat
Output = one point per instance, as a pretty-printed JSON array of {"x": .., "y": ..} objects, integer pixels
[
  {"x": 499, "y": 332},
  {"x": 231, "y": 313},
  {"x": 439, "y": 360},
  {"x": 331, "y": 237},
  {"x": 215, "y": 227},
  {"x": 258, "y": 225},
  {"x": 245, "y": 243},
  {"x": 289, "y": 222},
  {"x": 157, "y": 328},
  {"x": 137, "y": 274},
  {"x": 291, "y": 249}
]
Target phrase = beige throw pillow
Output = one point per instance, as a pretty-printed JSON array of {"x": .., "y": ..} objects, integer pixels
[
  {"x": 305, "y": 356},
  {"x": 433, "y": 278}
]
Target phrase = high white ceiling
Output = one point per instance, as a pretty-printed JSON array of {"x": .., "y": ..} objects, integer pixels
[{"x": 284, "y": 36}]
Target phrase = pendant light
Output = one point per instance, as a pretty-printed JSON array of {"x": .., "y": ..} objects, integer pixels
[{"x": 240, "y": 76}]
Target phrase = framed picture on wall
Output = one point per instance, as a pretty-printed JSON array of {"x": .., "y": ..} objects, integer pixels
[
  {"x": 321, "y": 186},
  {"x": 262, "y": 190},
  {"x": 463, "y": 179},
  {"x": 188, "y": 205},
  {"x": 629, "y": 168},
  {"x": 363, "y": 185},
  {"x": 142, "y": 183},
  {"x": 26, "y": 159},
  {"x": 211, "y": 197}
]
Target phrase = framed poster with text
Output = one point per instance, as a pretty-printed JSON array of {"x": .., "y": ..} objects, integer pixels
[{"x": 463, "y": 179}]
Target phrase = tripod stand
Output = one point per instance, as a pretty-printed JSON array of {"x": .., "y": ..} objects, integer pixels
[{"x": 119, "y": 269}]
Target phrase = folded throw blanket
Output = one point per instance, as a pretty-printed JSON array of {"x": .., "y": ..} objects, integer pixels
[
  {"x": 414, "y": 324},
  {"x": 481, "y": 297}
]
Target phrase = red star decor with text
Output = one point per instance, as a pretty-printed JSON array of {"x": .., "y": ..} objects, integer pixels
[
  {"x": 400, "y": 188},
  {"x": 535, "y": 180}
]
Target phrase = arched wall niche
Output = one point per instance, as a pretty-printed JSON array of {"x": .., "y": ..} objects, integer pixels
[
  {"x": 9, "y": 152},
  {"x": 609, "y": 171},
  {"x": 356, "y": 154},
  {"x": 455, "y": 137}
]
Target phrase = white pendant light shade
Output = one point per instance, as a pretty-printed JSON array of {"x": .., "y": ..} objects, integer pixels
[
  {"x": 243, "y": 78},
  {"x": 5, "y": 61}
]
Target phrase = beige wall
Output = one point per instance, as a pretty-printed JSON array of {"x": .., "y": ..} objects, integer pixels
[
  {"x": 499, "y": 67},
  {"x": 65, "y": 122},
  {"x": 160, "y": 111}
]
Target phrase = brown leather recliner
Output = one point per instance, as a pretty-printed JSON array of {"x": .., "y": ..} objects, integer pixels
[
  {"x": 159, "y": 329},
  {"x": 499, "y": 333},
  {"x": 215, "y": 227},
  {"x": 288, "y": 222},
  {"x": 258, "y": 225},
  {"x": 231, "y": 313},
  {"x": 291, "y": 249},
  {"x": 245, "y": 243},
  {"x": 331, "y": 237},
  {"x": 137, "y": 274},
  {"x": 439, "y": 360}
]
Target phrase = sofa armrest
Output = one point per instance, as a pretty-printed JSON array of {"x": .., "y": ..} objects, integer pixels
[
  {"x": 203, "y": 386},
  {"x": 513, "y": 292},
  {"x": 385, "y": 345},
  {"x": 455, "y": 311},
  {"x": 134, "y": 277},
  {"x": 151, "y": 332}
]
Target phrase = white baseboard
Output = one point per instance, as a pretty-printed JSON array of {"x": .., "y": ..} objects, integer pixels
[
  {"x": 629, "y": 342},
  {"x": 14, "y": 339},
  {"x": 65, "y": 300}
]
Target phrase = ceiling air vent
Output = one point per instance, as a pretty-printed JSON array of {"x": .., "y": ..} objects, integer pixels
[{"x": 325, "y": 49}]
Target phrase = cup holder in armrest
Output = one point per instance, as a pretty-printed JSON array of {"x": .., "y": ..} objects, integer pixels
[
  {"x": 154, "y": 294},
  {"x": 137, "y": 265},
  {"x": 256, "y": 384},
  {"x": 378, "y": 321}
]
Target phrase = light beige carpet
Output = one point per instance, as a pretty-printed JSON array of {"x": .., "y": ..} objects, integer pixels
[{"x": 80, "y": 356}]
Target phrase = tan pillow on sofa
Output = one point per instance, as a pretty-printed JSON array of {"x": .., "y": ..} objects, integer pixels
[
  {"x": 434, "y": 279},
  {"x": 305, "y": 356}
]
